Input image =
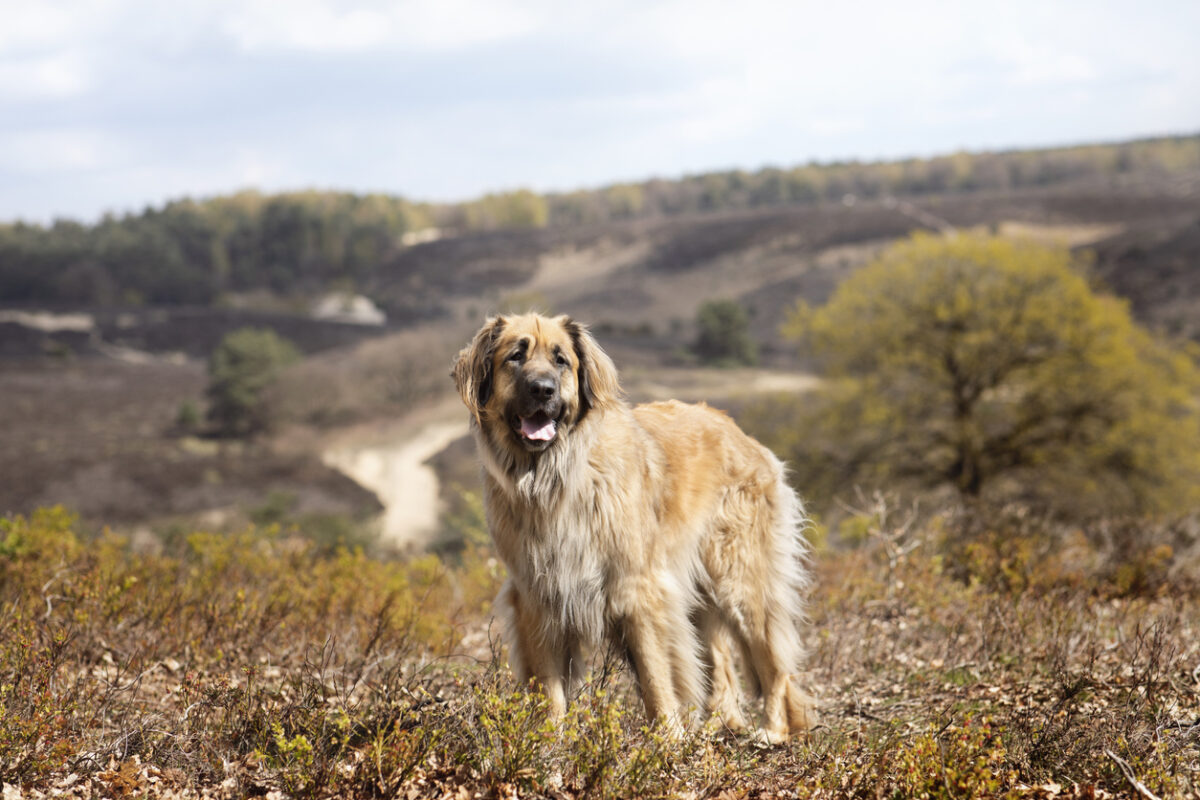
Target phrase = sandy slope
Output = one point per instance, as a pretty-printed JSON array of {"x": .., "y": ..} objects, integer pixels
[{"x": 394, "y": 467}]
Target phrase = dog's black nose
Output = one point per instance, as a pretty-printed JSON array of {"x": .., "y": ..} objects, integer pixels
[{"x": 543, "y": 388}]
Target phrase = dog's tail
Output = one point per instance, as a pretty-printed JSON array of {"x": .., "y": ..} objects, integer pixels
[
  {"x": 791, "y": 562},
  {"x": 793, "y": 553}
]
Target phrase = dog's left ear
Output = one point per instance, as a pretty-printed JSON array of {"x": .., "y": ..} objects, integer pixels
[
  {"x": 472, "y": 370},
  {"x": 598, "y": 384}
]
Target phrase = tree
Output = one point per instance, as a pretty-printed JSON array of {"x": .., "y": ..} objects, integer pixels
[
  {"x": 723, "y": 334},
  {"x": 990, "y": 365},
  {"x": 240, "y": 369}
]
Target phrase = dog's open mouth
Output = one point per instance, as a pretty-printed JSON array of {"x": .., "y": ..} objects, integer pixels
[{"x": 538, "y": 428}]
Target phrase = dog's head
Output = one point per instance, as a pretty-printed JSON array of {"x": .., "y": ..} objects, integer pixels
[{"x": 537, "y": 377}]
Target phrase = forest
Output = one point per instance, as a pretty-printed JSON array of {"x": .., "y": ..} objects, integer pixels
[{"x": 200, "y": 251}]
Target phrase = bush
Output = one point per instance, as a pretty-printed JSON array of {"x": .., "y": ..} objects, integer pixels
[
  {"x": 990, "y": 366},
  {"x": 241, "y": 368},
  {"x": 723, "y": 335},
  {"x": 256, "y": 664}
]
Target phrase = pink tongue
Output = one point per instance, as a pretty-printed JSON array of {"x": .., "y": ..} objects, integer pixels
[{"x": 542, "y": 433}]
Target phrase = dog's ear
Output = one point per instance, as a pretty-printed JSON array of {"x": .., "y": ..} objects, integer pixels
[
  {"x": 472, "y": 369},
  {"x": 598, "y": 384}
]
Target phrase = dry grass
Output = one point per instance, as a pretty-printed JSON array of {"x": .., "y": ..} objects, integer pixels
[{"x": 952, "y": 657}]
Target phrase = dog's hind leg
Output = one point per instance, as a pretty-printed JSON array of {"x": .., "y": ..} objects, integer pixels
[
  {"x": 757, "y": 571},
  {"x": 773, "y": 654},
  {"x": 724, "y": 689}
]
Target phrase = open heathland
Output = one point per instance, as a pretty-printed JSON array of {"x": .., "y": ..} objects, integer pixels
[{"x": 958, "y": 654}]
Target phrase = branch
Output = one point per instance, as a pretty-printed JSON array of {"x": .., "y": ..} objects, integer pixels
[{"x": 1127, "y": 771}]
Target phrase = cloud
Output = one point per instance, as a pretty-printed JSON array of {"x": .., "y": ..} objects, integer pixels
[
  {"x": 115, "y": 103},
  {"x": 43, "y": 77},
  {"x": 326, "y": 26},
  {"x": 31, "y": 25},
  {"x": 42, "y": 150}
]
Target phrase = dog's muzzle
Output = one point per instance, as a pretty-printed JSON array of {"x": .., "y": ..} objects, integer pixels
[{"x": 537, "y": 415}]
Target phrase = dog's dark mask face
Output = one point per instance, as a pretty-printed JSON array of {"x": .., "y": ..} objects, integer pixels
[
  {"x": 530, "y": 379},
  {"x": 535, "y": 385}
]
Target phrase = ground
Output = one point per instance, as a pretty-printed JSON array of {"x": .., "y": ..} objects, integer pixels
[
  {"x": 233, "y": 633},
  {"x": 948, "y": 658}
]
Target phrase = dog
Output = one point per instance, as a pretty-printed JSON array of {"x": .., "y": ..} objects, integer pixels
[{"x": 661, "y": 529}]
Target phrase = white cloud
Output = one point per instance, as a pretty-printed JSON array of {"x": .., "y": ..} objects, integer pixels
[
  {"x": 43, "y": 77},
  {"x": 55, "y": 150},
  {"x": 34, "y": 24},
  {"x": 329, "y": 26},
  {"x": 109, "y": 103}
]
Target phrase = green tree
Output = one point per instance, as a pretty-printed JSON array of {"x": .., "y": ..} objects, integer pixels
[
  {"x": 990, "y": 366},
  {"x": 240, "y": 369},
  {"x": 518, "y": 209},
  {"x": 723, "y": 334}
]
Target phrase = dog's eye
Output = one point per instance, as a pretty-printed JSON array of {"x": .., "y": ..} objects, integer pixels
[
  {"x": 562, "y": 361},
  {"x": 517, "y": 357}
]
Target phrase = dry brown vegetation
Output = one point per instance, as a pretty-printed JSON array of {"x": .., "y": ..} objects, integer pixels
[
  {"x": 103, "y": 438},
  {"x": 953, "y": 655}
]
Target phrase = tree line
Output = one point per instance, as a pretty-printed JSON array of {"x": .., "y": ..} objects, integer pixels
[
  {"x": 191, "y": 252},
  {"x": 194, "y": 251}
]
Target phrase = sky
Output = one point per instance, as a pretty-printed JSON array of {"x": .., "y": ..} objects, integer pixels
[{"x": 108, "y": 106}]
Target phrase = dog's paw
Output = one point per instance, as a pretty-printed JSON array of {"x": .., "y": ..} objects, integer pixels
[
  {"x": 773, "y": 737},
  {"x": 671, "y": 727}
]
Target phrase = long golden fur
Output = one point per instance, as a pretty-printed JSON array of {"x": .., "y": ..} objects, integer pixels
[{"x": 661, "y": 528}]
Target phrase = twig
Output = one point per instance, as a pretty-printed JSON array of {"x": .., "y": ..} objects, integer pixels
[
  {"x": 1127, "y": 771},
  {"x": 1179, "y": 725},
  {"x": 858, "y": 712}
]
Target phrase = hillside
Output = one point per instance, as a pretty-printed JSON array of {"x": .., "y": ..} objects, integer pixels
[
  {"x": 297, "y": 245},
  {"x": 243, "y": 618},
  {"x": 97, "y": 402}
]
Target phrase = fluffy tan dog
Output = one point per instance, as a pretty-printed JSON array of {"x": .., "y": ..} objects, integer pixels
[{"x": 661, "y": 528}]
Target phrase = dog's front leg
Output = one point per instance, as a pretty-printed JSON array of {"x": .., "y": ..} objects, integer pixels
[
  {"x": 652, "y": 667},
  {"x": 530, "y": 655}
]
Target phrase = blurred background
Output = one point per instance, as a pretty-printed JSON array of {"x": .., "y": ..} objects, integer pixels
[{"x": 240, "y": 243}]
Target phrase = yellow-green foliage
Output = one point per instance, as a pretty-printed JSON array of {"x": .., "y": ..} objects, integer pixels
[
  {"x": 258, "y": 664},
  {"x": 85, "y": 624},
  {"x": 991, "y": 366},
  {"x": 603, "y": 748},
  {"x": 517, "y": 209}
]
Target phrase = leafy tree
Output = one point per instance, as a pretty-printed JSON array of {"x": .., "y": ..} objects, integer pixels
[
  {"x": 990, "y": 366},
  {"x": 723, "y": 334},
  {"x": 240, "y": 369},
  {"x": 519, "y": 209}
]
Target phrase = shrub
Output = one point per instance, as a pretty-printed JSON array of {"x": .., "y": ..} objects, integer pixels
[
  {"x": 723, "y": 334},
  {"x": 241, "y": 368},
  {"x": 257, "y": 664},
  {"x": 990, "y": 367}
]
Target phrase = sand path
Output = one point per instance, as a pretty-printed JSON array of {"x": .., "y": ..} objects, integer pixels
[{"x": 394, "y": 467}]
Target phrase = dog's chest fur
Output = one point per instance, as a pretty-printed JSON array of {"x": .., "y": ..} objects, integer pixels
[{"x": 560, "y": 535}]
